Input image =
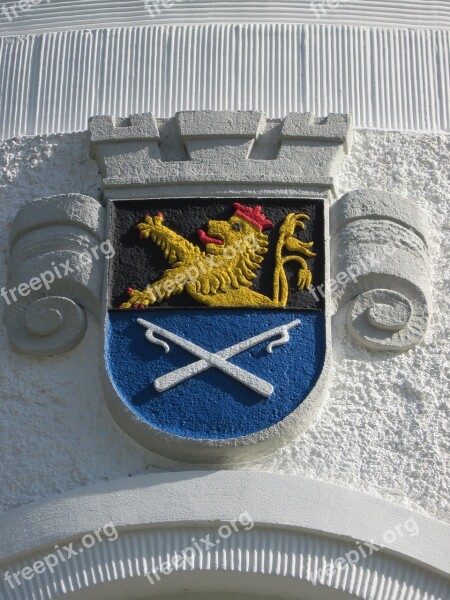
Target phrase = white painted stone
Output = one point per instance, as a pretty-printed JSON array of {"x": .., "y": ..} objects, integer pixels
[
  {"x": 220, "y": 135},
  {"x": 391, "y": 317},
  {"x": 116, "y": 129},
  {"x": 56, "y": 16},
  {"x": 57, "y": 263},
  {"x": 288, "y": 529},
  {"x": 380, "y": 245},
  {"x": 219, "y": 159},
  {"x": 381, "y": 428},
  {"x": 387, "y": 78}
]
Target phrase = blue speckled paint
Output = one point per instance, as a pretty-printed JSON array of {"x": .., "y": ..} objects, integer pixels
[{"x": 213, "y": 405}]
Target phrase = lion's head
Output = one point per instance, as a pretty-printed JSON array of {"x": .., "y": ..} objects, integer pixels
[
  {"x": 247, "y": 223},
  {"x": 239, "y": 245}
]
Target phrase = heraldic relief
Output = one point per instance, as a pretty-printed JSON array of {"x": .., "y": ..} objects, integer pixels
[
  {"x": 212, "y": 332},
  {"x": 215, "y": 301}
]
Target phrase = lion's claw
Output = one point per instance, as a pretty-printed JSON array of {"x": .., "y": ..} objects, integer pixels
[
  {"x": 148, "y": 225},
  {"x": 137, "y": 299}
]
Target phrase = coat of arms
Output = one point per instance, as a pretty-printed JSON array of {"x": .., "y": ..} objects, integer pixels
[{"x": 213, "y": 335}]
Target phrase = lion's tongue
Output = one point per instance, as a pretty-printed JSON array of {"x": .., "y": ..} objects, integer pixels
[{"x": 206, "y": 239}]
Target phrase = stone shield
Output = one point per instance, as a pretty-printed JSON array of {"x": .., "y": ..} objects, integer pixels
[{"x": 216, "y": 323}]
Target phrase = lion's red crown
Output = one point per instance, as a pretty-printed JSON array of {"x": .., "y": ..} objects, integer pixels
[{"x": 254, "y": 215}]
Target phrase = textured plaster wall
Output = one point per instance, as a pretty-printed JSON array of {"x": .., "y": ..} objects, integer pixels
[{"x": 384, "y": 428}]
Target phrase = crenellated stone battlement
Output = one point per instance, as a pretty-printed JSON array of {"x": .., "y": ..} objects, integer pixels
[{"x": 219, "y": 151}]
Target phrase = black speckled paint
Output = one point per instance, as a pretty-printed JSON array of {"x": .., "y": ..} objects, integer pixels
[{"x": 139, "y": 262}]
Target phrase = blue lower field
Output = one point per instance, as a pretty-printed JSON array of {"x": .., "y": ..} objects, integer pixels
[{"x": 212, "y": 405}]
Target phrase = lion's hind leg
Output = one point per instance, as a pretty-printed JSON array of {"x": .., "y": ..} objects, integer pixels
[{"x": 171, "y": 283}]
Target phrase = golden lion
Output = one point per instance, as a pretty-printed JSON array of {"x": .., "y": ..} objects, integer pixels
[{"x": 223, "y": 275}]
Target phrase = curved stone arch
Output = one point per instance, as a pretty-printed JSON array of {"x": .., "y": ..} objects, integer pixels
[{"x": 285, "y": 532}]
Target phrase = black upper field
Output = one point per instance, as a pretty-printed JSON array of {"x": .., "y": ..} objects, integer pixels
[{"x": 139, "y": 262}]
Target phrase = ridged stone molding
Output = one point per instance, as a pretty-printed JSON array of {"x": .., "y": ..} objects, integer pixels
[
  {"x": 381, "y": 268},
  {"x": 386, "y": 78},
  {"x": 56, "y": 269},
  {"x": 293, "y": 538},
  {"x": 60, "y": 15},
  {"x": 219, "y": 152}
]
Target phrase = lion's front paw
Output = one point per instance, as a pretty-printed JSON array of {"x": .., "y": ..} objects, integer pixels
[
  {"x": 138, "y": 299},
  {"x": 148, "y": 225},
  {"x": 304, "y": 279}
]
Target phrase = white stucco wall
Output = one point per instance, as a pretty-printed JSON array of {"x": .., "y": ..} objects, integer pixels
[{"x": 383, "y": 430}]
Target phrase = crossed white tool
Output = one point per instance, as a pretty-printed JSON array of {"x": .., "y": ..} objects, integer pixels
[{"x": 218, "y": 359}]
